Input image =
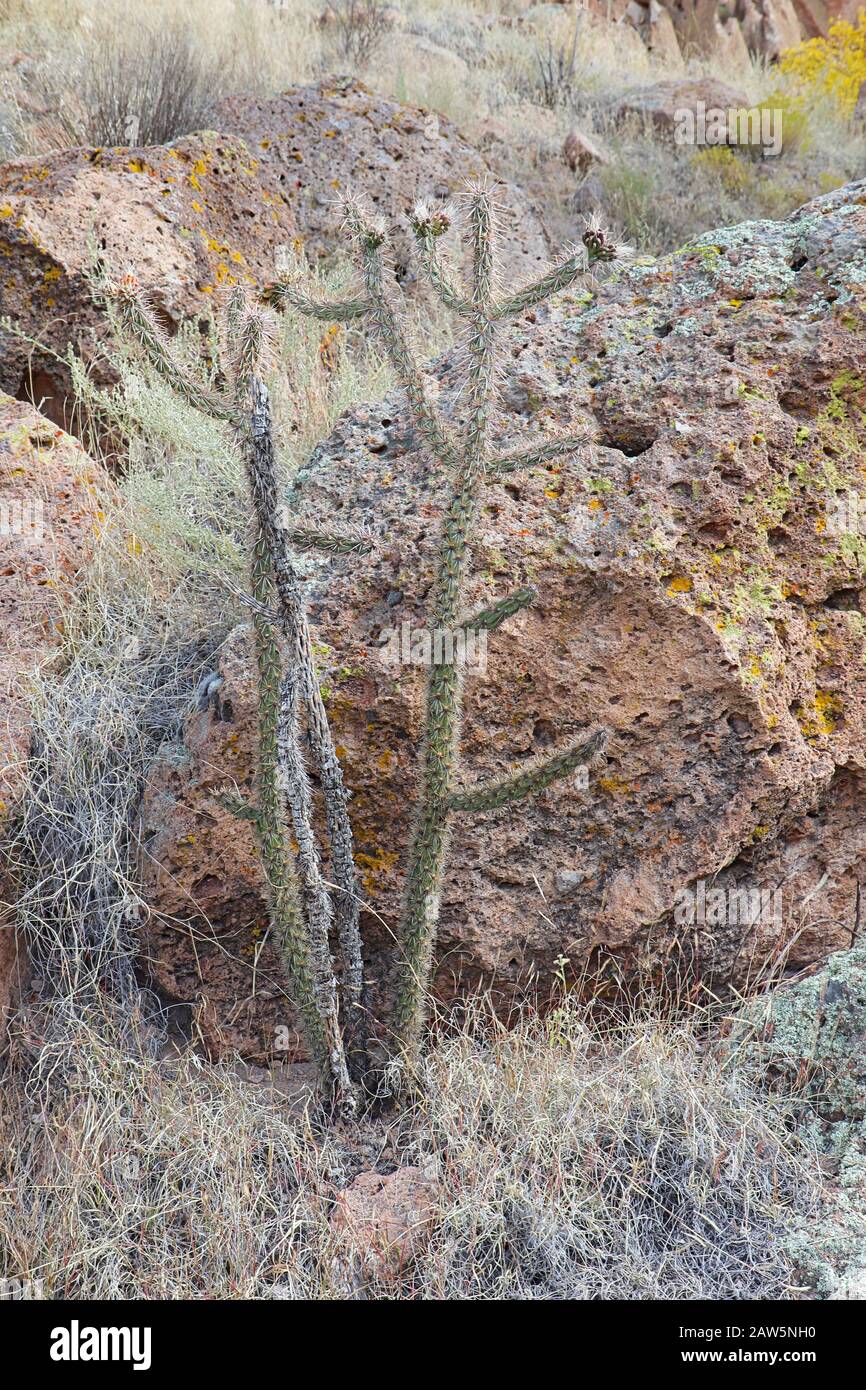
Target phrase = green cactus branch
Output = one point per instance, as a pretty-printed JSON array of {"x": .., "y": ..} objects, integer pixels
[
  {"x": 529, "y": 781},
  {"x": 440, "y": 279},
  {"x": 286, "y": 291},
  {"x": 347, "y": 542},
  {"x": 429, "y": 224},
  {"x": 469, "y": 462},
  {"x": 139, "y": 322},
  {"x": 595, "y": 247},
  {"x": 525, "y": 459},
  {"x": 489, "y": 619},
  {"x": 236, "y": 806}
]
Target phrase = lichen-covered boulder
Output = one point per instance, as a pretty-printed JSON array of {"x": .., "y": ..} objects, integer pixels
[
  {"x": 700, "y": 577},
  {"x": 806, "y": 1042},
  {"x": 339, "y": 137},
  {"x": 188, "y": 218}
]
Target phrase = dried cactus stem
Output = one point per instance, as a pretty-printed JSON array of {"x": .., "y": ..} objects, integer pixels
[
  {"x": 286, "y": 914},
  {"x": 317, "y": 899},
  {"x": 257, "y": 442}
]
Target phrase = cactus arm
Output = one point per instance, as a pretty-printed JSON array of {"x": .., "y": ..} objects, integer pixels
[
  {"x": 348, "y": 542},
  {"x": 429, "y": 224},
  {"x": 560, "y": 277},
  {"x": 439, "y": 278},
  {"x": 287, "y": 291},
  {"x": 237, "y": 807},
  {"x": 525, "y": 459},
  {"x": 140, "y": 324},
  {"x": 595, "y": 247},
  {"x": 489, "y": 619},
  {"x": 488, "y": 796}
]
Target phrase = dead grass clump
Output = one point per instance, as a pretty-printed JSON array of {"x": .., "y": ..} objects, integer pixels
[
  {"x": 146, "y": 86},
  {"x": 571, "y": 1164},
  {"x": 124, "y": 1178},
  {"x": 360, "y": 28},
  {"x": 588, "y": 1165}
]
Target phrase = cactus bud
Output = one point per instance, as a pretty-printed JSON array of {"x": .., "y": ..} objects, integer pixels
[
  {"x": 597, "y": 245},
  {"x": 430, "y": 222},
  {"x": 369, "y": 228},
  {"x": 126, "y": 289}
]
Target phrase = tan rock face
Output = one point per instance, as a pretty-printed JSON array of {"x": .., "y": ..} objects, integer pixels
[
  {"x": 51, "y": 499},
  {"x": 701, "y": 593},
  {"x": 769, "y": 26},
  {"x": 188, "y": 218},
  {"x": 339, "y": 137}
]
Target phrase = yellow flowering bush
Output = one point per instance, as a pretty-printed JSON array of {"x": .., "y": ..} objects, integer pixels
[{"x": 833, "y": 66}]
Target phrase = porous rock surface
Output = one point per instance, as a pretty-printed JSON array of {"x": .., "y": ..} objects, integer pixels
[
  {"x": 339, "y": 137},
  {"x": 700, "y": 593},
  {"x": 187, "y": 218},
  {"x": 196, "y": 216}
]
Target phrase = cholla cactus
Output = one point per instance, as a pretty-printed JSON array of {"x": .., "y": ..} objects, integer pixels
[
  {"x": 302, "y": 906},
  {"x": 472, "y": 467}
]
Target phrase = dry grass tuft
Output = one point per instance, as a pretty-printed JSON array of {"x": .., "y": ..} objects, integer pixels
[{"x": 573, "y": 1163}]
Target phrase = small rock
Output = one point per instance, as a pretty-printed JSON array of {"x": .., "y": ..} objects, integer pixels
[
  {"x": 580, "y": 152},
  {"x": 386, "y": 1220}
]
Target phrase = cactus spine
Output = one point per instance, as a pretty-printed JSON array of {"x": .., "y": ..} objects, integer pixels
[{"x": 469, "y": 463}]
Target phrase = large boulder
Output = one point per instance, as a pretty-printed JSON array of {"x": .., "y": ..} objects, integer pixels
[
  {"x": 51, "y": 500},
  {"x": 339, "y": 137},
  {"x": 188, "y": 218},
  {"x": 661, "y": 104},
  {"x": 701, "y": 594},
  {"x": 210, "y": 209}
]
